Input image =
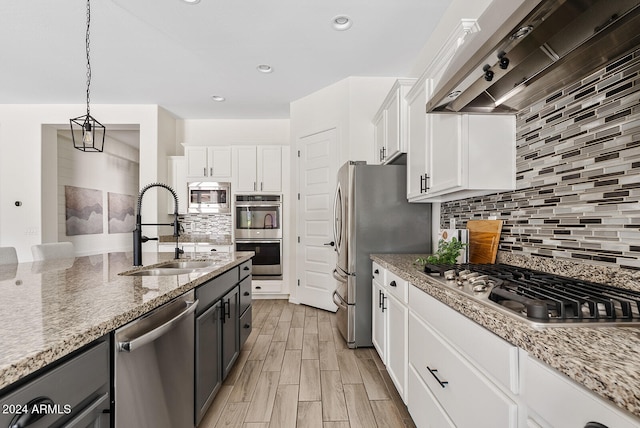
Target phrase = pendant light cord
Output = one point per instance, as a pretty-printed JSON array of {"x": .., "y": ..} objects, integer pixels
[{"x": 88, "y": 59}]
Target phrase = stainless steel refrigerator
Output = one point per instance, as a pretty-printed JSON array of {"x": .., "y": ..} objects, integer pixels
[{"x": 371, "y": 215}]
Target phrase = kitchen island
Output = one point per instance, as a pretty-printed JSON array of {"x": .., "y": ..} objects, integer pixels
[
  {"x": 604, "y": 360},
  {"x": 50, "y": 309}
]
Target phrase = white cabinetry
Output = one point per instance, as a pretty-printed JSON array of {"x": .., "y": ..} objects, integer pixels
[
  {"x": 390, "y": 123},
  {"x": 177, "y": 177},
  {"x": 417, "y": 137},
  {"x": 468, "y": 376},
  {"x": 389, "y": 324},
  {"x": 553, "y": 400},
  {"x": 258, "y": 168},
  {"x": 464, "y": 155},
  {"x": 208, "y": 162},
  {"x": 378, "y": 330}
]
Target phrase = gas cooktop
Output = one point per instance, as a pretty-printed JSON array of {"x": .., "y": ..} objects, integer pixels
[{"x": 542, "y": 299}]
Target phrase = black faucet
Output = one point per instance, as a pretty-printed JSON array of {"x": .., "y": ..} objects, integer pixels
[{"x": 138, "y": 239}]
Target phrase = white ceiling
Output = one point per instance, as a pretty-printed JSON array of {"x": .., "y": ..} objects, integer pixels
[{"x": 178, "y": 55}]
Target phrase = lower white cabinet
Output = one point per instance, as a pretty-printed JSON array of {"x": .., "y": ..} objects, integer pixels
[
  {"x": 553, "y": 400},
  {"x": 389, "y": 325},
  {"x": 378, "y": 320},
  {"x": 397, "y": 319},
  {"x": 427, "y": 412},
  {"x": 468, "y": 397},
  {"x": 452, "y": 372}
]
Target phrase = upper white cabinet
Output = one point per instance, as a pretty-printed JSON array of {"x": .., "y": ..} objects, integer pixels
[
  {"x": 208, "y": 162},
  {"x": 390, "y": 122},
  {"x": 454, "y": 156},
  {"x": 259, "y": 168},
  {"x": 463, "y": 155},
  {"x": 177, "y": 177}
]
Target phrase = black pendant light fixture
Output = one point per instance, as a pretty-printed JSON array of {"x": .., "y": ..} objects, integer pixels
[{"x": 93, "y": 132}]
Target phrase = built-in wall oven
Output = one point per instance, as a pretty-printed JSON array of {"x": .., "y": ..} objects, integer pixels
[{"x": 258, "y": 228}]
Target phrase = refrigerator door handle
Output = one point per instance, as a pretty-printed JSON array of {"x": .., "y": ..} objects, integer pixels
[
  {"x": 337, "y": 218},
  {"x": 338, "y": 300},
  {"x": 339, "y": 277}
]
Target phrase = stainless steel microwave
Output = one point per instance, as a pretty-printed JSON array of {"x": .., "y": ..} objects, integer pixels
[{"x": 209, "y": 197}]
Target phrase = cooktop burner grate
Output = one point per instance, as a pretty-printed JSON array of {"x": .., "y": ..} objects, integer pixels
[{"x": 547, "y": 297}]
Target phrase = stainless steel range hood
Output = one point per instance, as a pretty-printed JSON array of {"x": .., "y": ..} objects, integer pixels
[{"x": 558, "y": 42}]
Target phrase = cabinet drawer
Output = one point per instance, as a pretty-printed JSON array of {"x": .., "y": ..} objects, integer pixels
[
  {"x": 423, "y": 406},
  {"x": 245, "y": 294},
  {"x": 467, "y": 396},
  {"x": 491, "y": 353},
  {"x": 215, "y": 288},
  {"x": 560, "y": 402},
  {"x": 266, "y": 287},
  {"x": 397, "y": 286},
  {"x": 246, "y": 269},
  {"x": 246, "y": 325},
  {"x": 378, "y": 273},
  {"x": 79, "y": 386}
]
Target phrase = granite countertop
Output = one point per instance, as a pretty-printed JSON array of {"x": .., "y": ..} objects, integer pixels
[
  {"x": 197, "y": 237},
  {"x": 49, "y": 309},
  {"x": 603, "y": 359}
]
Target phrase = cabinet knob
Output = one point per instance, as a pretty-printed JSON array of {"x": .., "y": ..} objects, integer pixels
[
  {"x": 258, "y": 287},
  {"x": 246, "y": 268},
  {"x": 247, "y": 326},
  {"x": 246, "y": 293},
  {"x": 393, "y": 284},
  {"x": 595, "y": 425}
]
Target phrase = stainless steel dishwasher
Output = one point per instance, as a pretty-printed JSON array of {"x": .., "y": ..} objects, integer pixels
[{"x": 154, "y": 382}]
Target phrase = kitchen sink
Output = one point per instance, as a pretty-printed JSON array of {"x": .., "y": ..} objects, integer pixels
[
  {"x": 187, "y": 264},
  {"x": 162, "y": 271}
]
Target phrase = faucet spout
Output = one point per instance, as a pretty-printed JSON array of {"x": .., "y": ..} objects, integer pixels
[{"x": 138, "y": 239}]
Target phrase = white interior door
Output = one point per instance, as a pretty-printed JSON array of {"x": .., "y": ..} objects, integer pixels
[{"x": 317, "y": 169}]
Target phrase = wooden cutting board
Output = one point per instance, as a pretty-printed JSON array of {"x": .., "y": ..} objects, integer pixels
[{"x": 484, "y": 236}]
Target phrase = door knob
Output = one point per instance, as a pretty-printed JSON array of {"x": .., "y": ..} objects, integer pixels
[{"x": 331, "y": 244}]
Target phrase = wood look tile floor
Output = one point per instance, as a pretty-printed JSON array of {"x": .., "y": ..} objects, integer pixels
[{"x": 295, "y": 370}]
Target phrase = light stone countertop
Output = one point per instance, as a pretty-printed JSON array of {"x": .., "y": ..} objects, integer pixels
[
  {"x": 605, "y": 360},
  {"x": 50, "y": 309}
]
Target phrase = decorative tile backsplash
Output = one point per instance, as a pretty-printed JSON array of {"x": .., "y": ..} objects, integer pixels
[
  {"x": 217, "y": 225},
  {"x": 578, "y": 174}
]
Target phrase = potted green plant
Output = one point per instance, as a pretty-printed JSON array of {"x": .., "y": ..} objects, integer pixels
[{"x": 447, "y": 254}]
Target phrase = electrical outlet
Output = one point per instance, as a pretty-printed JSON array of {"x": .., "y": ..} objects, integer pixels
[{"x": 452, "y": 223}]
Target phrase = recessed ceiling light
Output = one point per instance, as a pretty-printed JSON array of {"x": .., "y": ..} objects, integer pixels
[
  {"x": 218, "y": 98},
  {"x": 341, "y": 22},
  {"x": 191, "y": 1},
  {"x": 264, "y": 68}
]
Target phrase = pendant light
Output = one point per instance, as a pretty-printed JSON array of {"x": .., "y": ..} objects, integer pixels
[{"x": 93, "y": 132}]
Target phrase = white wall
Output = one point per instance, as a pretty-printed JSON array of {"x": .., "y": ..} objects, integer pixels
[
  {"x": 348, "y": 106},
  {"x": 225, "y": 132},
  {"x": 26, "y": 171},
  {"x": 116, "y": 170}
]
